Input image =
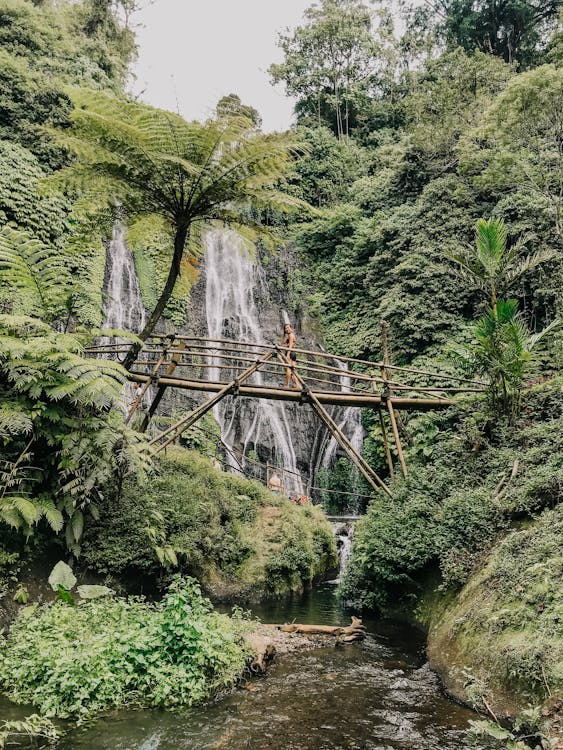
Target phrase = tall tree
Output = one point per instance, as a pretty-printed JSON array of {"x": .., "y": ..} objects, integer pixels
[
  {"x": 516, "y": 30},
  {"x": 329, "y": 62},
  {"x": 185, "y": 175}
]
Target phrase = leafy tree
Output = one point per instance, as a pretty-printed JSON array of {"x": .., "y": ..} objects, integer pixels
[
  {"x": 184, "y": 175},
  {"x": 231, "y": 106},
  {"x": 518, "y": 142},
  {"x": 330, "y": 63},
  {"x": 516, "y": 30},
  {"x": 446, "y": 100},
  {"x": 325, "y": 174}
]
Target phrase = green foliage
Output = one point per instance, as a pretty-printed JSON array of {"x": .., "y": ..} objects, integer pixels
[
  {"x": 492, "y": 267},
  {"x": 60, "y": 412},
  {"x": 503, "y": 353},
  {"x": 30, "y": 729},
  {"x": 330, "y": 63},
  {"x": 517, "y": 143},
  {"x": 207, "y": 523},
  {"x": 449, "y": 511},
  {"x": 506, "y": 621},
  {"x": 111, "y": 652},
  {"x": 21, "y": 201},
  {"x": 513, "y": 30},
  {"x": 35, "y": 277}
]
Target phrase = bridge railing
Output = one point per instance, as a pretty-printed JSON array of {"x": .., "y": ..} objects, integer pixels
[{"x": 219, "y": 361}]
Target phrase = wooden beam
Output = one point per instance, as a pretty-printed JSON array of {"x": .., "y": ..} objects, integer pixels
[
  {"x": 331, "y": 398},
  {"x": 396, "y": 421}
]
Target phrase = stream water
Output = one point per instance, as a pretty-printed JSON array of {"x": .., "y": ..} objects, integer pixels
[{"x": 379, "y": 695}]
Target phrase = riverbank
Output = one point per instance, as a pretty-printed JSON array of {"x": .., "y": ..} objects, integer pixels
[{"x": 497, "y": 643}]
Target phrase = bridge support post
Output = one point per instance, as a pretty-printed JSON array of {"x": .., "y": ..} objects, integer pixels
[{"x": 161, "y": 388}]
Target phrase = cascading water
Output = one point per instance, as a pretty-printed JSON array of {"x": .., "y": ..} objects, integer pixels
[
  {"x": 123, "y": 308},
  {"x": 232, "y": 285},
  {"x": 344, "y": 533}
]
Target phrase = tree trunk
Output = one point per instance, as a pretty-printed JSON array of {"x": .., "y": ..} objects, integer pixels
[{"x": 179, "y": 244}]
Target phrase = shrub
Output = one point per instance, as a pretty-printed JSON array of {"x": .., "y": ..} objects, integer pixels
[
  {"x": 447, "y": 514},
  {"x": 76, "y": 661}
]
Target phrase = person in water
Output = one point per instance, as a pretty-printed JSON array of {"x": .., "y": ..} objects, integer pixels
[{"x": 289, "y": 340}]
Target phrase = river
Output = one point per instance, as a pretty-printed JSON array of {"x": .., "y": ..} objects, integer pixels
[{"x": 379, "y": 695}]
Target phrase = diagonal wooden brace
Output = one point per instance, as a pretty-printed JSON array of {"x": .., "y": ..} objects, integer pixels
[
  {"x": 359, "y": 462},
  {"x": 175, "y": 430}
]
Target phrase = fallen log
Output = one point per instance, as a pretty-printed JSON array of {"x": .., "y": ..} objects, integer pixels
[{"x": 348, "y": 634}]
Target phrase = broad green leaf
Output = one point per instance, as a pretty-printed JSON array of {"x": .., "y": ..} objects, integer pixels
[
  {"x": 93, "y": 591},
  {"x": 62, "y": 575}
]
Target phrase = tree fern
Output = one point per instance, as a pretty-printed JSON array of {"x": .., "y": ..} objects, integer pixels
[
  {"x": 62, "y": 411},
  {"x": 189, "y": 174},
  {"x": 37, "y": 271}
]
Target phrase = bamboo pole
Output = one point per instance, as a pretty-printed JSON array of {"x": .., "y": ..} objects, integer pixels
[
  {"x": 332, "y": 398},
  {"x": 136, "y": 403},
  {"x": 387, "y": 447},
  {"x": 340, "y": 358},
  {"x": 388, "y": 393},
  {"x": 161, "y": 388},
  {"x": 187, "y": 421},
  {"x": 363, "y": 467}
]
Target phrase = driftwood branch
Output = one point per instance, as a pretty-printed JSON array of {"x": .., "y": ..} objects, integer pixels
[{"x": 348, "y": 634}]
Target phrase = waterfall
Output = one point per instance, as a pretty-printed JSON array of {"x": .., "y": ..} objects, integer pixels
[
  {"x": 233, "y": 283},
  {"x": 344, "y": 533},
  {"x": 123, "y": 308}
]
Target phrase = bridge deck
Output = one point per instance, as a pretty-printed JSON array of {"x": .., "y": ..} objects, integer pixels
[{"x": 329, "y": 398}]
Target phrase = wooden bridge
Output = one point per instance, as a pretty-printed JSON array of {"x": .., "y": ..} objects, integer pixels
[{"x": 226, "y": 367}]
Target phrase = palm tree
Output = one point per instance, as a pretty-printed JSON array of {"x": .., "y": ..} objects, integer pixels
[
  {"x": 491, "y": 267},
  {"x": 187, "y": 174},
  {"x": 503, "y": 351}
]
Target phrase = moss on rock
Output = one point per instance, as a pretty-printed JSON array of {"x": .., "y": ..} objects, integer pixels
[
  {"x": 500, "y": 637},
  {"x": 237, "y": 538}
]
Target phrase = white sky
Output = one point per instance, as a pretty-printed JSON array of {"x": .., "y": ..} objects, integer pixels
[{"x": 193, "y": 52}]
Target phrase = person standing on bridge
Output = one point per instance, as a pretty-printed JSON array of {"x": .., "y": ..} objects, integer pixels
[{"x": 289, "y": 340}]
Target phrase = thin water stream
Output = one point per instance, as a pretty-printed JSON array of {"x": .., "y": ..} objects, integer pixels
[{"x": 379, "y": 695}]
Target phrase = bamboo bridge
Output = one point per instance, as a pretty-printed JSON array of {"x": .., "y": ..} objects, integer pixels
[{"x": 226, "y": 367}]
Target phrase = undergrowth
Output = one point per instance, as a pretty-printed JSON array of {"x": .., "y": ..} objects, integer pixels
[{"x": 77, "y": 661}]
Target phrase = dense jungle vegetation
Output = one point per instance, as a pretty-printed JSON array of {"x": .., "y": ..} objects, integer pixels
[{"x": 422, "y": 185}]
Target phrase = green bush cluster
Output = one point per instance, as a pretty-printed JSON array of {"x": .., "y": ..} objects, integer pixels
[
  {"x": 213, "y": 522},
  {"x": 479, "y": 476},
  {"x": 77, "y": 661}
]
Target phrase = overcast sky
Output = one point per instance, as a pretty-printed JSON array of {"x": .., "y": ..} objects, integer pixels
[{"x": 193, "y": 52}]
